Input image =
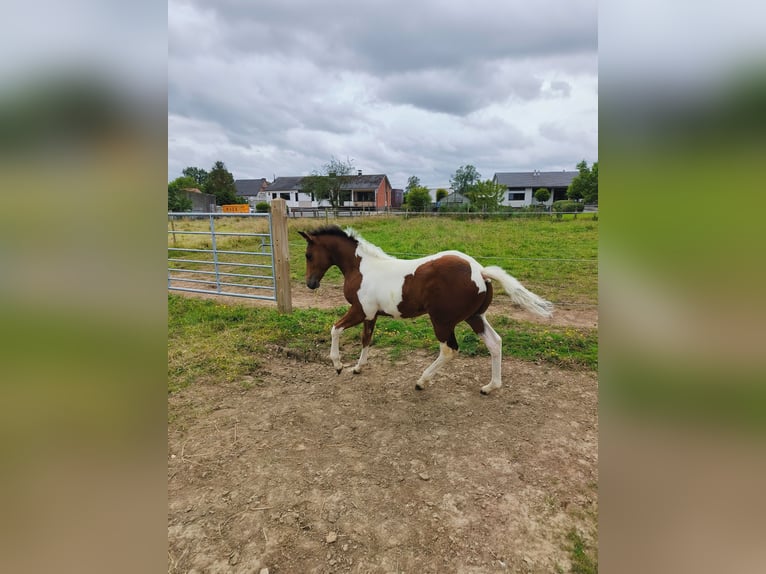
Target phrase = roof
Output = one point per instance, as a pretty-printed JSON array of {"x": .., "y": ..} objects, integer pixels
[
  {"x": 362, "y": 181},
  {"x": 536, "y": 178},
  {"x": 285, "y": 184},
  {"x": 247, "y": 187},
  {"x": 355, "y": 182},
  {"x": 455, "y": 197}
]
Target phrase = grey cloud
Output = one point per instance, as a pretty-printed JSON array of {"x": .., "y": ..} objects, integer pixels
[
  {"x": 400, "y": 36},
  {"x": 416, "y": 88}
]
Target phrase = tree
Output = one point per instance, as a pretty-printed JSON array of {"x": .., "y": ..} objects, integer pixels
[
  {"x": 199, "y": 176},
  {"x": 412, "y": 183},
  {"x": 591, "y": 194},
  {"x": 220, "y": 182},
  {"x": 327, "y": 184},
  {"x": 418, "y": 198},
  {"x": 542, "y": 195},
  {"x": 464, "y": 179},
  {"x": 441, "y": 193},
  {"x": 485, "y": 195},
  {"x": 585, "y": 184},
  {"x": 178, "y": 201}
]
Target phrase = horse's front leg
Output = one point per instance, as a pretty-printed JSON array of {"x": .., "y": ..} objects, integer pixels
[
  {"x": 369, "y": 327},
  {"x": 353, "y": 316}
]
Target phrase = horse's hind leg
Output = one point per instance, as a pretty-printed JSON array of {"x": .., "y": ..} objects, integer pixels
[
  {"x": 369, "y": 327},
  {"x": 447, "y": 347},
  {"x": 494, "y": 343}
]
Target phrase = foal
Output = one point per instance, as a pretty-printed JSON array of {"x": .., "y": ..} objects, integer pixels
[{"x": 449, "y": 287}]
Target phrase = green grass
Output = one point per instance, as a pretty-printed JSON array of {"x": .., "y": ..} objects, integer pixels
[
  {"x": 210, "y": 341},
  {"x": 555, "y": 259},
  {"x": 581, "y": 556}
]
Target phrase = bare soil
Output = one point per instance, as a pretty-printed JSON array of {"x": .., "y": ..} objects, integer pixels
[{"x": 303, "y": 470}]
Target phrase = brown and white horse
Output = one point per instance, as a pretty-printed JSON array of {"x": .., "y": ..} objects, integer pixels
[{"x": 449, "y": 286}]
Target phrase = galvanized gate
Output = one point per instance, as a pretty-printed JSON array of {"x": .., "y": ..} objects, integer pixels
[{"x": 222, "y": 254}]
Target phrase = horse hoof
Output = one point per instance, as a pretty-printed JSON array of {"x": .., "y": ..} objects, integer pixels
[
  {"x": 339, "y": 370},
  {"x": 483, "y": 392},
  {"x": 419, "y": 387},
  {"x": 356, "y": 371}
]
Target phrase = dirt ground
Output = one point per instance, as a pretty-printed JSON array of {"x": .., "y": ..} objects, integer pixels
[{"x": 301, "y": 470}]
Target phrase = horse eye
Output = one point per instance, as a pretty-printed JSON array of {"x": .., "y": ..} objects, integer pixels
[{"x": 308, "y": 256}]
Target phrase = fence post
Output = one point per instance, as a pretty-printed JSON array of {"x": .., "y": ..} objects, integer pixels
[{"x": 281, "y": 255}]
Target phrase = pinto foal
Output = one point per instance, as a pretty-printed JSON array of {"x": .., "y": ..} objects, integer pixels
[{"x": 449, "y": 287}]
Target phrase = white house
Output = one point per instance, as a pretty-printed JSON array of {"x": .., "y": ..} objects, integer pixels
[{"x": 520, "y": 186}]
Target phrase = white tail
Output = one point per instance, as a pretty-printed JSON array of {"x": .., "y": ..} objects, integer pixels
[{"x": 519, "y": 294}]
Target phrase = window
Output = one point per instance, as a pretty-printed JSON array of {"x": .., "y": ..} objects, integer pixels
[
  {"x": 285, "y": 196},
  {"x": 368, "y": 196},
  {"x": 516, "y": 196}
]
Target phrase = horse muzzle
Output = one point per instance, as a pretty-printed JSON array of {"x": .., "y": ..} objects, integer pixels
[{"x": 312, "y": 283}]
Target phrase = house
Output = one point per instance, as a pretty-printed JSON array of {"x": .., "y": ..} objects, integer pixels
[
  {"x": 289, "y": 189},
  {"x": 360, "y": 191},
  {"x": 454, "y": 198},
  {"x": 252, "y": 189},
  {"x": 520, "y": 186},
  {"x": 366, "y": 191}
]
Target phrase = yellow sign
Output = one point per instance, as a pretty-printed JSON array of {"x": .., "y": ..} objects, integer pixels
[{"x": 236, "y": 208}]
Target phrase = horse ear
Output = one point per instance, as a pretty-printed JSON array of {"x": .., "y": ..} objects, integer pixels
[{"x": 306, "y": 236}]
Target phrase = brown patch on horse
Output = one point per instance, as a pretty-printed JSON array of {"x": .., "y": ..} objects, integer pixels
[{"x": 438, "y": 285}]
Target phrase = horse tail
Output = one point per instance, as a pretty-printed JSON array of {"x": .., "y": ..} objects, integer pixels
[{"x": 519, "y": 294}]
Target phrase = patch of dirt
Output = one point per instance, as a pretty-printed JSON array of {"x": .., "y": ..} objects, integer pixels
[{"x": 303, "y": 470}]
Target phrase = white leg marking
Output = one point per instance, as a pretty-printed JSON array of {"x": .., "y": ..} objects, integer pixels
[
  {"x": 362, "y": 360},
  {"x": 445, "y": 354},
  {"x": 495, "y": 345},
  {"x": 335, "y": 348}
]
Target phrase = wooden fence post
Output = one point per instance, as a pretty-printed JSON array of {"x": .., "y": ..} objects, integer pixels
[{"x": 281, "y": 255}]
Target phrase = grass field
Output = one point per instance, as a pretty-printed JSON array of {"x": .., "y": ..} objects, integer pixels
[{"x": 556, "y": 259}]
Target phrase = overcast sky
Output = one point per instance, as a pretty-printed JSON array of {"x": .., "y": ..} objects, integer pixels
[{"x": 279, "y": 87}]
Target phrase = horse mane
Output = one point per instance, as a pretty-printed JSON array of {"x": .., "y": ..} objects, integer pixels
[
  {"x": 332, "y": 230},
  {"x": 363, "y": 247}
]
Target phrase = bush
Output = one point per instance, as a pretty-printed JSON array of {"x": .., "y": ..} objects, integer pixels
[
  {"x": 262, "y": 207},
  {"x": 542, "y": 195},
  {"x": 567, "y": 206},
  {"x": 454, "y": 207}
]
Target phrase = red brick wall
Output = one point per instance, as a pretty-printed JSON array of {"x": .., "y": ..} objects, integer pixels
[{"x": 383, "y": 195}]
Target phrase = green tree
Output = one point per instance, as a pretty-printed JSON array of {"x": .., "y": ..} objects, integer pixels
[
  {"x": 220, "y": 182},
  {"x": 419, "y": 198},
  {"x": 441, "y": 193},
  {"x": 542, "y": 195},
  {"x": 178, "y": 201},
  {"x": 464, "y": 179},
  {"x": 199, "y": 176},
  {"x": 485, "y": 195},
  {"x": 585, "y": 184},
  {"x": 328, "y": 183},
  {"x": 412, "y": 183},
  {"x": 591, "y": 194}
]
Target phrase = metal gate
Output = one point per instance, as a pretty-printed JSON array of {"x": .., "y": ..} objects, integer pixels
[{"x": 222, "y": 254}]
